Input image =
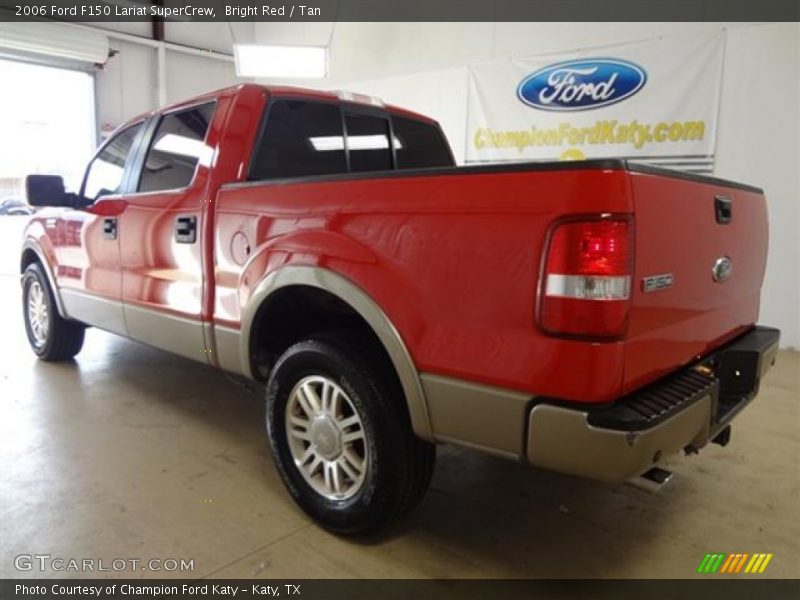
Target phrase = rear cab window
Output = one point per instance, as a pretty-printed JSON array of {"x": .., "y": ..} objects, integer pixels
[
  {"x": 299, "y": 139},
  {"x": 306, "y": 138},
  {"x": 419, "y": 145},
  {"x": 368, "y": 143}
]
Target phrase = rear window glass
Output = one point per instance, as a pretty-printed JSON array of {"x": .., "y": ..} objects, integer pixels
[
  {"x": 300, "y": 138},
  {"x": 368, "y": 143},
  {"x": 419, "y": 145}
]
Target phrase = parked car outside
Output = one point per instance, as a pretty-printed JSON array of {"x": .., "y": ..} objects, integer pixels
[{"x": 15, "y": 206}]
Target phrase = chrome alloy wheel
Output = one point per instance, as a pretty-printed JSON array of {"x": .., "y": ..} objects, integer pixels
[
  {"x": 38, "y": 314},
  {"x": 326, "y": 438}
]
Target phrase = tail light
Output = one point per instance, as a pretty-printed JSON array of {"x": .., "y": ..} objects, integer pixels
[{"x": 587, "y": 278}]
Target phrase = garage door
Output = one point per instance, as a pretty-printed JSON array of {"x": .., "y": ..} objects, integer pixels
[{"x": 48, "y": 126}]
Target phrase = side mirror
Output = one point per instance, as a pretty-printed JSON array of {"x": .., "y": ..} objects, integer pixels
[{"x": 46, "y": 190}]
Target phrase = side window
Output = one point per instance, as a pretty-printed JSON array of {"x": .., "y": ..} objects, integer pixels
[
  {"x": 177, "y": 147},
  {"x": 300, "y": 138},
  {"x": 419, "y": 145},
  {"x": 368, "y": 143},
  {"x": 104, "y": 176}
]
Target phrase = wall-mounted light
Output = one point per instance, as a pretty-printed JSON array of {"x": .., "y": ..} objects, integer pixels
[{"x": 306, "y": 62}]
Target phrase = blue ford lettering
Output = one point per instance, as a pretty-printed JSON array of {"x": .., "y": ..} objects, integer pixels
[{"x": 581, "y": 84}]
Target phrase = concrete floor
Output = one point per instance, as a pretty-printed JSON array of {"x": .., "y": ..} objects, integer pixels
[{"x": 129, "y": 452}]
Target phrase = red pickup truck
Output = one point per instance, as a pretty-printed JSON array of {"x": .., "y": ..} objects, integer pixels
[{"x": 588, "y": 317}]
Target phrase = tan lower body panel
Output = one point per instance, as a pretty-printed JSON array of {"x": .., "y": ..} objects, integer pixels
[
  {"x": 562, "y": 440},
  {"x": 228, "y": 355},
  {"x": 94, "y": 310},
  {"x": 478, "y": 416},
  {"x": 168, "y": 332}
]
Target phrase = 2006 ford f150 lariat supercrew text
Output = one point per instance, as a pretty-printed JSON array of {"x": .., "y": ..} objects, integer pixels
[{"x": 587, "y": 317}]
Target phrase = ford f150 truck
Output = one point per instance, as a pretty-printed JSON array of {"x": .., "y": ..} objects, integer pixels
[{"x": 588, "y": 317}]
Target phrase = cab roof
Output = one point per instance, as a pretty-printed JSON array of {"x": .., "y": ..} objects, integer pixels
[{"x": 278, "y": 91}]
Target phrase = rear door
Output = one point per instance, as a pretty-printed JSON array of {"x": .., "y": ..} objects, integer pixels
[
  {"x": 701, "y": 250},
  {"x": 161, "y": 235}
]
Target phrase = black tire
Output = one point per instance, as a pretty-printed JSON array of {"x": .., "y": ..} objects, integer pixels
[
  {"x": 61, "y": 339},
  {"x": 400, "y": 465}
]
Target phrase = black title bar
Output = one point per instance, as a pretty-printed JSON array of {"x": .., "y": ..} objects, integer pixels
[
  {"x": 391, "y": 589},
  {"x": 403, "y": 10}
]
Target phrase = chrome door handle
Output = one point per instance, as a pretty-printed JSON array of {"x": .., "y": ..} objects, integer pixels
[
  {"x": 186, "y": 229},
  {"x": 110, "y": 228}
]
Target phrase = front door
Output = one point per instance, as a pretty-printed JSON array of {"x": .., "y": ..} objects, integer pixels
[{"x": 86, "y": 240}]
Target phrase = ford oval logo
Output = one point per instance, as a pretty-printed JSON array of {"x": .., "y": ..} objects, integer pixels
[
  {"x": 722, "y": 269},
  {"x": 581, "y": 84}
]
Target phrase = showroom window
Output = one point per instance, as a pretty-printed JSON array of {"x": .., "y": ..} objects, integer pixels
[
  {"x": 300, "y": 138},
  {"x": 105, "y": 173},
  {"x": 368, "y": 143},
  {"x": 419, "y": 145},
  {"x": 177, "y": 148}
]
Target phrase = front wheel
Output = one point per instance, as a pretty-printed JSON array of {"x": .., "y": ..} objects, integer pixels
[
  {"x": 51, "y": 337},
  {"x": 341, "y": 436}
]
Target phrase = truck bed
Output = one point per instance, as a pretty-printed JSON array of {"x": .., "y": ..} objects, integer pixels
[{"x": 454, "y": 257}]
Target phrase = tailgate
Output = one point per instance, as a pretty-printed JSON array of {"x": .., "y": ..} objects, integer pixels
[{"x": 697, "y": 275}]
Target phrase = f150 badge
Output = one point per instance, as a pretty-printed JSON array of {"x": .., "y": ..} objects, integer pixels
[
  {"x": 581, "y": 84},
  {"x": 655, "y": 283}
]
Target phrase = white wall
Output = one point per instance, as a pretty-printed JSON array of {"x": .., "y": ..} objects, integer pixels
[
  {"x": 759, "y": 115},
  {"x": 128, "y": 83},
  {"x": 369, "y": 51},
  {"x": 759, "y": 142},
  {"x": 126, "y": 86}
]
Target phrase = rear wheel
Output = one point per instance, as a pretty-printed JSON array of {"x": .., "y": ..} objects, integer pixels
[
  {"x": 51, "y": 337},
  {"x": 341, "y": 436}
]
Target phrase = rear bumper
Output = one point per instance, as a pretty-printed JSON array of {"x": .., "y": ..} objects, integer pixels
[{"x": 683, "y": 411}]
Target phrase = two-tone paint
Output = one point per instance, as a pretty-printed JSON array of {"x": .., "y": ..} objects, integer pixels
[{"x": 443, "y": 264}]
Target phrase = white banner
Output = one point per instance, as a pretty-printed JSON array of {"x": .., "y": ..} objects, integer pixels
[{"x": 654, "y": 101}]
